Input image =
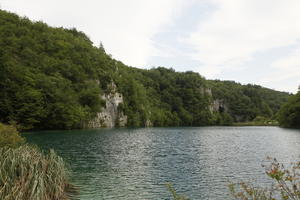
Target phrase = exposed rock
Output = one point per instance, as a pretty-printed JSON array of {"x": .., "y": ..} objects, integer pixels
[
  {"x": 148, "y": 123},
  {"x": 208, "y": 91},
  {"x": 110, "y": 116},
  {"x": 218, "y": 105},
  {"x": 205, "y": 91}
]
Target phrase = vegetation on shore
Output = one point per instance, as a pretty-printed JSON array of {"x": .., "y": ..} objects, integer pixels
[
  {"x": 28, "y": 173},
  {"x": 52, "y": 78},
  {"x": 10, "y": 137},
  {"x": 258, "y": 121},
  {"x": 289, "y": 114},
  {"x": 248, "y": 103}
]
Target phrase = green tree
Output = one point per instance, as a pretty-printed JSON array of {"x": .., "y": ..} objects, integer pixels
[{"x": 289, "y": 114}]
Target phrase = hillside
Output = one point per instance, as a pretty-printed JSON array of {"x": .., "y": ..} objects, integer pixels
[
  {"x": 289, "y": 114},
  {"x": 54, "y": 78},
  {"x": 248, "y": 101}
]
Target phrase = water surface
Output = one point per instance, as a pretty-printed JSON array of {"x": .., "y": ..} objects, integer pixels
[{"x": 131, "y": 164}]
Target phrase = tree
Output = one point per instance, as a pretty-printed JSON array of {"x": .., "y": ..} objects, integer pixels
[{"x": 289, "y": 114}]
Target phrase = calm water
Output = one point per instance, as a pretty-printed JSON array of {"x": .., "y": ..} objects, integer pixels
[{"x": 136, "y": 163}]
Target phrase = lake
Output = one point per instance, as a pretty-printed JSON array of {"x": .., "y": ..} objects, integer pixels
[{"x": 131, "y": 164}]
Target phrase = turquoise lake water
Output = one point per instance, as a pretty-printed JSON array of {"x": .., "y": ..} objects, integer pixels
[{"x": 131, "y": 164}]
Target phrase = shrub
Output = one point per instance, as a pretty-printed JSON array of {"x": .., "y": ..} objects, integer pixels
[
  {"x": 287, "y": 184},
  {"x": 9, "y": 136},
  {"x": 26, "y": 173}
]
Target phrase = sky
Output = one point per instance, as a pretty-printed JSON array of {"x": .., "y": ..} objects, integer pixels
[{"x": 248, "y": 41}]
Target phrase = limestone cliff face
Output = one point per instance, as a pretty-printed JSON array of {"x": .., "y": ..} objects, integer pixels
[
  {"x": 218, "y": 105},
  {"x": 206, "y": 91},
  {"x": 110, "y": 116}
]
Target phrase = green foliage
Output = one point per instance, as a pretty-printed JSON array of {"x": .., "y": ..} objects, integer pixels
[
  {"x": 10, "y": 137},
  {"x": 287, "y": 184},
  {"x": 52, "y": 78},
  {"x": 246, "y": 102},
  {"x": 289, "y": 114},
  {"x": 258, "y": 121},
  {"x": 26, "y": 173},
  {"x": 222, "y": 118},
  {"x": 48, "y": 75},
  {"x": 165, "y": 97}
]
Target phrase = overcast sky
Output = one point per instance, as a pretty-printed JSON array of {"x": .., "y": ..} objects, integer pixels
[{"x": 249, "y": 41}]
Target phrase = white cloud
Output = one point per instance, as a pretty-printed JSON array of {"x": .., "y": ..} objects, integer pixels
[
  {"x": 126, "y": 27},
  {"x": 238, "y": 29},
  {"x": 283, "y": 70},
  {"x": 289, "y": 64},
  {"x": 225, "y": 40}
]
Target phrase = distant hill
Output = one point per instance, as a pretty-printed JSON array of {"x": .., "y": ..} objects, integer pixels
[
  {"x": 54, "y": 78},
  {"x": 246, "y": 102}
]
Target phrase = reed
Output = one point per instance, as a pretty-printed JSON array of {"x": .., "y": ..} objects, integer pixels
[{"x": 27, "y": 173}]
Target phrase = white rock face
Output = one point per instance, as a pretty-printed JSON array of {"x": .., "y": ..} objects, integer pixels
[
  {"x": 110, "y": 116},
  {"x": 218, "y": 105}
]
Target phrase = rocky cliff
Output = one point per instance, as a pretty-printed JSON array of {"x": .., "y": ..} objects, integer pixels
[
  {"x": 219, "y": 105},
  {"x": 111, "y": 115}
]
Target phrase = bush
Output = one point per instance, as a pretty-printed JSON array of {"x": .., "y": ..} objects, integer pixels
[
  {"x": 26, "y": 173},
  {"x": 287, "y": 184},
  {"x": 9, "y": 136}
]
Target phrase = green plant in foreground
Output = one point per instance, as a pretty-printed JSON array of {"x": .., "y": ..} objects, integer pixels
[
  {"x": 287, "y": 184},
  {"x": 26, "y": 173},
  {"x": 174, "y": 193}
]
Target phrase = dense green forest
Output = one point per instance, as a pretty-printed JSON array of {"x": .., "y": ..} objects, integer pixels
[
  {"x": 52, "y": 78},
  {"x": 246, "y": 102},
  {"x": 289, "y": 114}
]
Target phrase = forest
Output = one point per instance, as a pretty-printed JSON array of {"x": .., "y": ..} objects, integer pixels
[
  {"x": 52, "y": 78},
  {"x": 289, "y": 114}
]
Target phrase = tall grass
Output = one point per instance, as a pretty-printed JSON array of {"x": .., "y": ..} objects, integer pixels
[{"x": 27, "y": 173}]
